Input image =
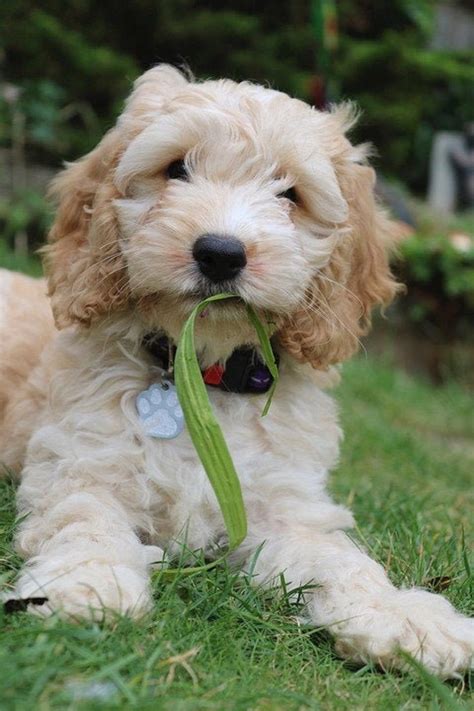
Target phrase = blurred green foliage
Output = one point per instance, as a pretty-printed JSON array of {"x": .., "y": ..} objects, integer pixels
[
  {"x": 407, "y": 94},
  {"x": 27, "y": 210},
  {"x": 75, "y": 62},
  {"x": 438, "y": 270},
  {"x": 26, "y": 263}
]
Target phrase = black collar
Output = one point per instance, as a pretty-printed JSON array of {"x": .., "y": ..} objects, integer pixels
[{"x": 244, "y": 371}]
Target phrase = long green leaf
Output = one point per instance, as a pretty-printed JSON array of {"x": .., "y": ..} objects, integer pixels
[
  {"x": 204, "y": 429},
  {"x": 205, "y": 432},
  {"x": 267, "y": 352}
]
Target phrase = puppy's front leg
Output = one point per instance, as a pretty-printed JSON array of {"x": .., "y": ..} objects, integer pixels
[
  {"x": 84, "y": 553},
  {"x": 370, "y": 619}
]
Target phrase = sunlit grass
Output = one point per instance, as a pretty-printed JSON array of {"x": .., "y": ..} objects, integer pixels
[{"x": 214, "y": 642}]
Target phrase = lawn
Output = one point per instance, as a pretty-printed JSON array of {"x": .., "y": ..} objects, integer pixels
[{"x": 213, "y": 642}]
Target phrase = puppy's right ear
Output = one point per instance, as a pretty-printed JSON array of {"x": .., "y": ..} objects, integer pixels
[{"x": 84, "y": 263}]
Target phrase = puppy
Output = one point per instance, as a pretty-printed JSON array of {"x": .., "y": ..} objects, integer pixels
[{"x": 202, "y": 188}]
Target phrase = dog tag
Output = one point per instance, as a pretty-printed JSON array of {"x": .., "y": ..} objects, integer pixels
[{"x": 159, "y": 411}]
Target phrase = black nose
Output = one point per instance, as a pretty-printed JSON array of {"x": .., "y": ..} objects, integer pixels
[{"x": 219, "y": 257}]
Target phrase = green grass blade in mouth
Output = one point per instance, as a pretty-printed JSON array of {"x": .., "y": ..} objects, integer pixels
[
  {"x": 267, "y": 353},
  {"x": 205, "y": 432},
  {"x": 204, "y": 429}
]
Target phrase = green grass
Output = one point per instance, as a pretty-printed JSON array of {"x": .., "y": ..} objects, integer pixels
[
  {"x": 29, "y": 264},
  {"x": 213, "y": 642}
]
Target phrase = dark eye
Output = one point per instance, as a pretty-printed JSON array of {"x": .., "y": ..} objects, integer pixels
[
  {"x": 177, "y": 170},
  {"x": 289, "y": 194}
]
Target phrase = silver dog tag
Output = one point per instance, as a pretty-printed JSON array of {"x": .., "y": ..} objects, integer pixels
[{"x": 159, "y": 411}]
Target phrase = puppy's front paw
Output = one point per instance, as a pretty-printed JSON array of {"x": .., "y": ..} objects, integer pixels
[
  {"x": 424, "y": 625},
  {"x": 93, "y": 590}
]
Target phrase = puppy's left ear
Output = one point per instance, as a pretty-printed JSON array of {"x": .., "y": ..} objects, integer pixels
[
  {"x": 336, "y": 312},
  {"x": 85, "y": 267},
  {"x": 83, "y": 261}
]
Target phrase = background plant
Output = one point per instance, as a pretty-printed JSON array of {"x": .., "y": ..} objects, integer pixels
[
  {"x": 74, "y": 81},
  {"x": 440, "y": 285}
]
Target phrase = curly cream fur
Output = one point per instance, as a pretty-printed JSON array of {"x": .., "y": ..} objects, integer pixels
[
  {"x": 100, "y": 501},
  {"x": 336, "y": 312}
]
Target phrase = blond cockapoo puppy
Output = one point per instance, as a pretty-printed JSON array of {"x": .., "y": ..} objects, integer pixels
[{"x": 203, "y": 188}]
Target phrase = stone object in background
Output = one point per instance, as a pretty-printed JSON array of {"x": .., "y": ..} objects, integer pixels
[
  {"x": 462, "y": 160},
  {"x": 443, "y": 186},
  {"x": 453, "y": 26}
]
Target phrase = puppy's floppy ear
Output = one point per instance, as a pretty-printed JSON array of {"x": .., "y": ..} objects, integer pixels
[
  {"x": 86, "y": 270},
  {"x": 83, "y": 262},
  {"x": 337, "y": 308}
]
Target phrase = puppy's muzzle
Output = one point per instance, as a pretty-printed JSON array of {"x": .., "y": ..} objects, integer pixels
[{"x": 219, "y": 257}]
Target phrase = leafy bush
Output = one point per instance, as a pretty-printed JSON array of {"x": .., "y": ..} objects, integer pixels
[
  {"x": 32, "y": 117},
  {"x": 406, "y": 94},
  {"x": 84, "y": 57},
  {"x": 29, "y": 212},
  {"x": 28, "y": 264},
  {"x": 71, "y": 88},
  {"x": 438, "y": 271}
]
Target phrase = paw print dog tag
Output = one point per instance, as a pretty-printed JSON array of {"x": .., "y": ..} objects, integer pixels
[{"x": 159, "y": 411}]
